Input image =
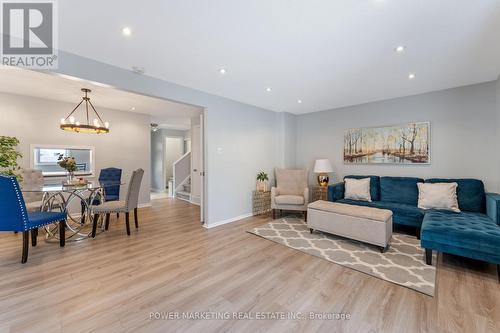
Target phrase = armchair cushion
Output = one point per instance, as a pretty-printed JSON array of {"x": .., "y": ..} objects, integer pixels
[
  {"x": 291, "y": 181},
  {"x": 289, "y": 199}
]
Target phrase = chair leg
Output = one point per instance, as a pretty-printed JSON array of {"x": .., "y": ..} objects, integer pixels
[
  {"x": 305, "y": 215},
  {"x": 26, "y": 244},
  {"x": 83, "y": 214},
  {"x": 498, "y": 273},
  {"x": 127, "y": 222},
  {"x": 62, "y": 233},
  {"x": 108, "y": 215},
  {"x": 117, "y": 215},
  {"x": 428, "y": 256},
  {"x": 274, "y": 214},
  {"x": 135, "y": 218},
  {"x": 94, "y": 225},
  {"x": 34, "y": 234},
  {"x": 281, "y": 212},
  {"x": 311, "y": 230},
  {"x": 418, "y": 233}
]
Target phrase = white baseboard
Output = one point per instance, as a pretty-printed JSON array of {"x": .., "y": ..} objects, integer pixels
[
  {"x": 144, "y": 205},
  {"x": 233, "y": 219}
]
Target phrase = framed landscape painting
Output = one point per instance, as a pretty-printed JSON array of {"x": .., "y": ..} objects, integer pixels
[{"x": 399, "y": 144}]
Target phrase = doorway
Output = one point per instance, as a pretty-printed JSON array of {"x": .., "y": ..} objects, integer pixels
[{"x": 174, "y": 149}]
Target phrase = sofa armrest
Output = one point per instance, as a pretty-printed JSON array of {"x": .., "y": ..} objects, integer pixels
[
  {"x": 336, "y": 191},
  {"x": 306, "y": 195},
  {"x": 274, "y": 194},
  {"x": 493, "y": 206}
]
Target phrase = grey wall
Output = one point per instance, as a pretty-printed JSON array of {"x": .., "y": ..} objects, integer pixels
[
  {"x": 498, "y": 128},
  {"x": 36, "y": 121},
  {"x": 463, "y": 133},
  {"x": 157, "y": 155},
  {"x": 286, "y": 135},
  {"x": 239, "y": 138}
]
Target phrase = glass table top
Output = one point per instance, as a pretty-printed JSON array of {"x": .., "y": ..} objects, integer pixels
[{"x": 63, "y": 187}]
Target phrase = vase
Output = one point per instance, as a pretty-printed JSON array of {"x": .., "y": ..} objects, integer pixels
[
  {"x": 261, "y": 186},
  {"x": 70, "y": 176}
]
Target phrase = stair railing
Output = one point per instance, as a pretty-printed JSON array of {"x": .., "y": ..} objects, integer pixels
[{"x": 181, "y": 171}]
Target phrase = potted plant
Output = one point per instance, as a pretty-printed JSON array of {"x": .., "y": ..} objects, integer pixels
[
  {"x": 69, "y": 164},
  {"x": 262, "y": 179},
  {"x": 9, "y": 156}
]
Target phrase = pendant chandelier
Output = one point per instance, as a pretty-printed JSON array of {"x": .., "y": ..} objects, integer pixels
[{"x": 97, "y": 126}]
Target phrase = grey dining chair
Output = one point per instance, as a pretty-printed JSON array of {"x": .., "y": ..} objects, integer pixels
[
  {"x": 123, "y": 206},
  {"x": 32, "y": 178}
]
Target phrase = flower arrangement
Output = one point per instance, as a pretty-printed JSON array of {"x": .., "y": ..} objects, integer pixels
[
  {"x": 262, "y": 179},
  {"x": 68, "y": 163},
  {"x": 9, "y": 156}
]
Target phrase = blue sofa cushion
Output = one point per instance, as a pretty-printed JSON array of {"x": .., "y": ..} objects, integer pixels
[
  {"x": 399, "y": 189},
  {"x": 374, "y": 185},
  {"x": 336, "y": 191},
  {"x": 469, "y": 231},
  {"x": 470, "y": 193},
  {"x": 402, "y": 213}
]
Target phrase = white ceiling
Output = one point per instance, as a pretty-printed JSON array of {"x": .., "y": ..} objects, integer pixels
[
  {"x": 67, "y": 89},
  {"x": 326, "y": 53}
]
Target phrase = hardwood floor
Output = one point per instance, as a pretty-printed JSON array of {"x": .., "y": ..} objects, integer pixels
[{"x": 113, "y": 283}]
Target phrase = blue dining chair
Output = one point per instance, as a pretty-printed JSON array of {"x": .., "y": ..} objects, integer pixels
[
  {"x": 112, "y": 177},
  {"x": 14, "y": 216}
]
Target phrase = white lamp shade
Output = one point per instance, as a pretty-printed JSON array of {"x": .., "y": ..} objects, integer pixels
[{"x": 323, "y": 166}]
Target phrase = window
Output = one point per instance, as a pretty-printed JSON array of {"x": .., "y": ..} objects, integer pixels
[{"x": 45, "y": 158}]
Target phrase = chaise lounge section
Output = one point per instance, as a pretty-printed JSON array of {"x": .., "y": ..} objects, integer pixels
[{"x": 474, "y": 232}]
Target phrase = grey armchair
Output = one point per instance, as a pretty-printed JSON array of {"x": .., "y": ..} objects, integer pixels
[
  {"x": 123, "y": 206},
  {"x": 291, "y": 191}
]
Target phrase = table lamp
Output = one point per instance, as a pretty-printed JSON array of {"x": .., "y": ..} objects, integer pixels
[{"x": 323, "y": 167}]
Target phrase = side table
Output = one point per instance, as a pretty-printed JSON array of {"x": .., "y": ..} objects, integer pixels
[
  {"x": 319, "y": 193},
  {"x": 261, "y": 202}
]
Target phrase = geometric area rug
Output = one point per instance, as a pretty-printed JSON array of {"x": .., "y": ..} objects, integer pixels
[{"x": 402, "y": 264}]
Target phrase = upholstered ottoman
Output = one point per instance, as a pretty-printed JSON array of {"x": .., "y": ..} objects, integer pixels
[{"x": 365, "y": 224}]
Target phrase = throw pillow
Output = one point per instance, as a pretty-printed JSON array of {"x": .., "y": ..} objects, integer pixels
[
  {"x": 438, "y": 196},
  {"x": 357, "y": 189}
]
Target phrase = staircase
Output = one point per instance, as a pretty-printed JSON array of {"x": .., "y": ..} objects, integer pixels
[
  {"x": 182, "y": 177},
  {"x": 184, "y": 191}
]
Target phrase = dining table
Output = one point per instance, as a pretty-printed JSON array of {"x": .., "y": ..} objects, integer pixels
[{"x": 77, "y": 201}]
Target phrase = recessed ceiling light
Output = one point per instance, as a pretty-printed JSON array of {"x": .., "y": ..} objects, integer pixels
[
  {"x": 126, "y": 31},
  {"x": 299, "y": 101},
  {"x": 132, "y": 108},
  {"x": 268, "y": 89},
  {"x": 138, "y": 69},
  {"x": 222, "y": 71},
  {"x": 411, "y": 76},
  {"x": 400, "y": 49}
]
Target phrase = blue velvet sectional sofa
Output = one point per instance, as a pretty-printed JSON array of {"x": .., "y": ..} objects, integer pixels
[{"x": 474, "y": 232}]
